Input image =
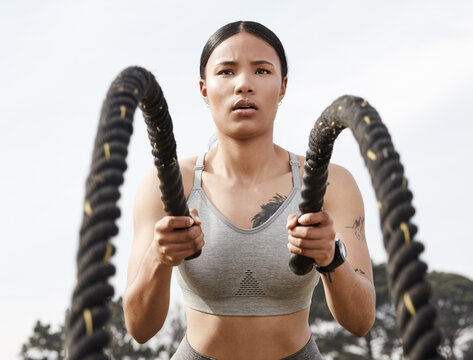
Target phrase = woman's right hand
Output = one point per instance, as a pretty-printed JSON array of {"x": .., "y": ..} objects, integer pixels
[{"x": 177, "y": 237}]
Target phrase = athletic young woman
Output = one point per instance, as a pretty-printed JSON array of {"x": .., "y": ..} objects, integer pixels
[{"x": 242, "y": 300}]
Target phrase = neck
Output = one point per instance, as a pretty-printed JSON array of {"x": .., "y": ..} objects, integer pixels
[{"x": 246, "y": 161}]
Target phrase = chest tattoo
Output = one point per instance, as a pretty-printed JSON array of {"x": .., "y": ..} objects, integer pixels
[{"x": 268, "y": 209}]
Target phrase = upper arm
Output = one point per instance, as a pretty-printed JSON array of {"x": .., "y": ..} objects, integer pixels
[
  {"x": 344, "y": 203},
  {"x": 148, "y": 210}
]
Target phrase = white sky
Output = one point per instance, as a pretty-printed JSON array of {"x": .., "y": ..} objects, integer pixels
[{"x": 411, "y": 60}]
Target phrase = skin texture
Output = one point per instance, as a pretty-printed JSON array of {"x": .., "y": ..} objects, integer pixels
[{"x": 247, "y": 189}]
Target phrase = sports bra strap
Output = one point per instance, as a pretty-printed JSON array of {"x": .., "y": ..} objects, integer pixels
[
  {"x": 199, "y": 166},
  {"x": 296, "y": 176}
]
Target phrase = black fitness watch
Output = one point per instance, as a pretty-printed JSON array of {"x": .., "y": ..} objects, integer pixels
[{"x": 339, "y": 259}]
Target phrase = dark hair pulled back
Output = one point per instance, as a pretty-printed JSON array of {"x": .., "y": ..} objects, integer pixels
[{"x": 236, "y": 27}]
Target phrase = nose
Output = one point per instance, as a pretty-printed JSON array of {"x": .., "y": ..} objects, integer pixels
[{"x": 244, "y": 84}]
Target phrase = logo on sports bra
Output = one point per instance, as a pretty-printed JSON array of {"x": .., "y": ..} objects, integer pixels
[{"x": 249, "y": 286}]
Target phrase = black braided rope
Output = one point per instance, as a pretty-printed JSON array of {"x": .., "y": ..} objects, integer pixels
[
  {"x": 410, "y": 291},
  {"x": 86, "y": 333}
]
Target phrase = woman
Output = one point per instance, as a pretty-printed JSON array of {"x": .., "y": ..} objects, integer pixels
[{"x": 241, "y": 299}]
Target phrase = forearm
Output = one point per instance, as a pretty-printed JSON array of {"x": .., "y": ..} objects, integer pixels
[
  {"x": 351, "y": 298},
  {"x": 146, "y": 299}
]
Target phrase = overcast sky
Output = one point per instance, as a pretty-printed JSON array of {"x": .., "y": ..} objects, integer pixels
[{"x": 411, "y": 60}]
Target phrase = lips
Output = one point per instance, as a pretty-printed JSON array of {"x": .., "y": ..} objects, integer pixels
[{"x": 244, "y": 104}]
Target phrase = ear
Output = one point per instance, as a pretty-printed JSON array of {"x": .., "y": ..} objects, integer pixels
[
  {"x": 203, "y": 90},
  {"x": 282, "y": 92}
]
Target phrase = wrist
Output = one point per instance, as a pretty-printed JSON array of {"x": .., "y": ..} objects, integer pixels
[
  {"x": 159, "y": 263},
  {"x": 339, "y": 258}
]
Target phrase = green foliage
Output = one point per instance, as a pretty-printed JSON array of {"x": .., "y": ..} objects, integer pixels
[
  {"x": 44, "y": 344},
  {"x": 452, "y": 295}
]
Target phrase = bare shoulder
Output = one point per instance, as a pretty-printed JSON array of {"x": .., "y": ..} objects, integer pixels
[
  {"x": 149, "y": 187},
  {"x": 340, "y": 176},
  {"x": 341, "y": 188},
  {"x": 336, "y": 172},
  {"x": 341, "y": 184},
  {"x": 187, "y": 170}
]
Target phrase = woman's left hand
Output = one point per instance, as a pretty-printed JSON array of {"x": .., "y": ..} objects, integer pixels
[{"x": 316, "y": 242}]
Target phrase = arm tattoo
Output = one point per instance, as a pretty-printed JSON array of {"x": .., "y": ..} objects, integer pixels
[
  {"x": 268, "y": 209},
  {"x": 360, "y": 271},
  {"x": 359, "y": 228}
]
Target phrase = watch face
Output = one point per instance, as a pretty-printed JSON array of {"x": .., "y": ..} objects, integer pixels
[{"x": 343, "y": 250}]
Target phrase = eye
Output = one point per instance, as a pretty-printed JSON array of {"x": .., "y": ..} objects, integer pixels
[
  {"x": 225, "y": 72},
  {"x": 262, "y": 71}
]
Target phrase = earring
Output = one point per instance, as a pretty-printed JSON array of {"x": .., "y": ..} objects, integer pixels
[{"x": 280, "y": 103}]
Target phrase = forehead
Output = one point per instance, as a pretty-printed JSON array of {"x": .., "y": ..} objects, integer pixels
[{"x": 243, "y": 46}]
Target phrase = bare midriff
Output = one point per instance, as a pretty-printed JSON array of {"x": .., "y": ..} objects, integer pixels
[{"x": 247, "y": 337}]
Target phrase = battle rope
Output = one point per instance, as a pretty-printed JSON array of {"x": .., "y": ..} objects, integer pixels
[
  {"x": 410, "y": 291},
  {"x": 86, "y": 335}
]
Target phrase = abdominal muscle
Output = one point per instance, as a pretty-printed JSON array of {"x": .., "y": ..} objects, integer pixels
[{"x": 247, "y": 337}]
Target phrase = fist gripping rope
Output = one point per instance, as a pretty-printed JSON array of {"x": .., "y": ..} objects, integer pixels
[
  {"x": 410, "y": 291},
  {"x": 86, "y": 336}
]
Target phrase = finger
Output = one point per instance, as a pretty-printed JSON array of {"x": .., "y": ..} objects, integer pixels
[
  {"x": 184, "y": 235},
  {"x": 321, "y": 257},
  {"x": 176, "y": 253},
  {"x": 326, "y": 232},
  {"x": 309, "y": 244},
  {"x": 291, "y": 221},
  {"x": 195, "y": 216},
  {"x": 172, "y": 249},
  {"x": 197, "y": 244},
  {"x": 169, "y": 223},
  {"x": 321, "y": 217}
]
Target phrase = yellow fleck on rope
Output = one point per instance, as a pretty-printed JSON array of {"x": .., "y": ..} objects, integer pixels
[
  {"x": 319, "y": 150},
  {"x": 409, "y": 305},
  {"x": 160, "y": 108},
  {"x": 135, "y": 92},
  {"x": 385, "y": 153},
  {"x": 380, "y": 205},
  {"x": 405, "y": 230},
  {"x": 106, "y": 149},
  {"x": 89, "y": 325},
  {"x": 88, "y": 208},
  {"x": 340, "y": 107},
  {"x": 364, "y": 103},
  {"x": 122, "y": 111},
  {"x": 157, "y": 128},
  {"x": 404, "y": 182},
  {"x": 371, "y": 155},
  {"x": 108, "y": 252},
  {"x": 154, "y": 145},
  {"x": 174, "y": 160},
  {"x": 320, "y": 123},
  {"x": 333, "y": 123},
  {"x": 367, "y": 119}
]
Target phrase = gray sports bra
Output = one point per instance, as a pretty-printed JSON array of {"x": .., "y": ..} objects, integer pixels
[{"x": 244, "y": 272}]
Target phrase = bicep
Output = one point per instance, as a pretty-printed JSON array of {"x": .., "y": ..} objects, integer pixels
[{"x": 345, "y": 204}]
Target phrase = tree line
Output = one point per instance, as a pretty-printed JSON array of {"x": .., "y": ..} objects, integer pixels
[{"x": 452, "y": 294}]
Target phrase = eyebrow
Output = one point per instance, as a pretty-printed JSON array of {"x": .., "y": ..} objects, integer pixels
[{"x": 256, "y": 62}]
